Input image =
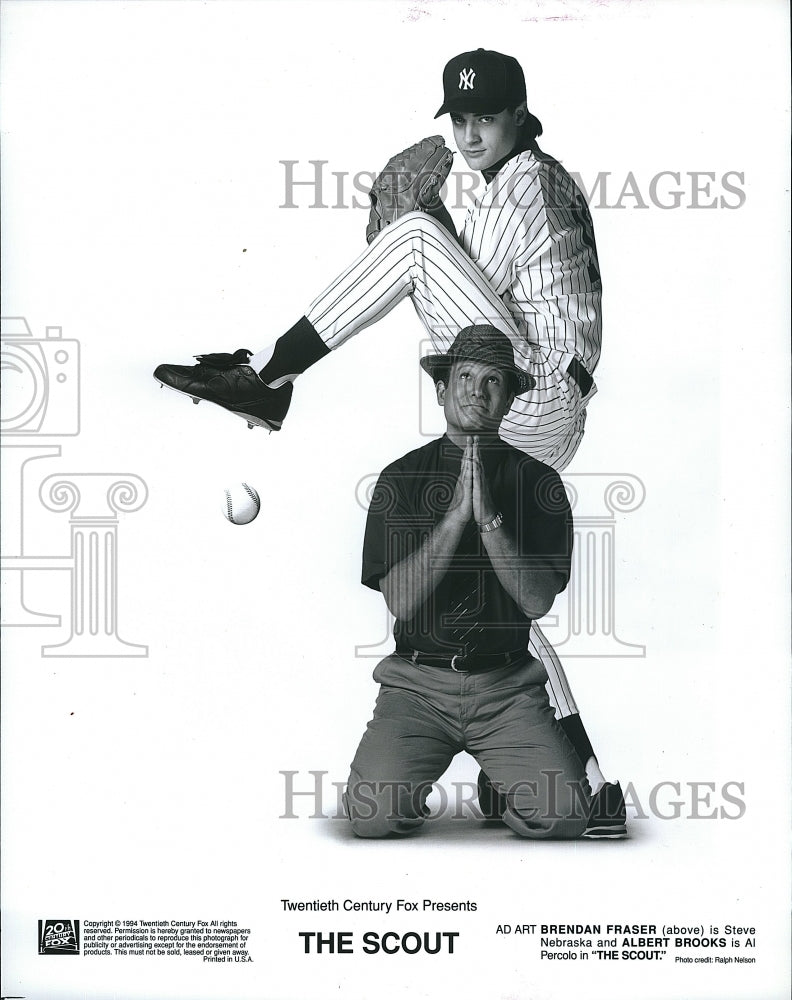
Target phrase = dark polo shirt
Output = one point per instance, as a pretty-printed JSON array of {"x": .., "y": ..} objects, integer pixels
[{"x": 414, "y": 493}]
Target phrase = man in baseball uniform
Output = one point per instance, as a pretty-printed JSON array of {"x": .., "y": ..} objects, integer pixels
[
  {"x": 469, "y": 539},
  {"x": 525, "y": 262}
]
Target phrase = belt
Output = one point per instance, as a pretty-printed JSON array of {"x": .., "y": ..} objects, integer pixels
[
  {"x": 576, "y": 371},
  {"x": 475, "y": 663}
]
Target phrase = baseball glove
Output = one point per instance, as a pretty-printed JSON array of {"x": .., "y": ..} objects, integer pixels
[{"x": 410, "y": 182}]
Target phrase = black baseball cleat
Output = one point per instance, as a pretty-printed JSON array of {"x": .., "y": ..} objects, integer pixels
[
  {"x": 228, "y": 381},
  {"x": 608, "y": 817},
  {"x": 491, "y": 803},
  {"x": 607, "y": 820}
]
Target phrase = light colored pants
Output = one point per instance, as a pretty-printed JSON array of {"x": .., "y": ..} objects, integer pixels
[
  {"x": 417, "y": 257},
  {"x": 424, "y": 716}
]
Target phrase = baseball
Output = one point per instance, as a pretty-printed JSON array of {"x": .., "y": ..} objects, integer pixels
[{"x": 242, "y": 503}]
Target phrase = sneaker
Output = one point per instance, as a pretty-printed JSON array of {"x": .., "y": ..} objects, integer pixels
[
  {"x": 608, "y": 818},
  {"x": 491, "y": 803},
  {"x": 228, "y": 381}
]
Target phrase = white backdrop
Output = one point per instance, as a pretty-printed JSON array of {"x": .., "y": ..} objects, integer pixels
[{"x": 142, "y": 213}]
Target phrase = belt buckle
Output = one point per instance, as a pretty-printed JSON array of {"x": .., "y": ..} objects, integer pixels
[{"x": 454, "y": 658}]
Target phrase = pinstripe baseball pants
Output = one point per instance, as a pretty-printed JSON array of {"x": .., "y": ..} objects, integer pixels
[{"x": 416, "y": 257}]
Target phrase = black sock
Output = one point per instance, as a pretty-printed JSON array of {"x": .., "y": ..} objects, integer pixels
[
  {"x": 298, "y": 349},
  {"x": 578, "y": 737}
]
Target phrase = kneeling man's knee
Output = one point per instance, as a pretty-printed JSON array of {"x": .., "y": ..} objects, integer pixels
[
  {"x": 555, "y": 805},
  {"x": 379, "y": 808}
]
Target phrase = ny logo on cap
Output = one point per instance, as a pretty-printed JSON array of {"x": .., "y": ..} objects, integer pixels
[{"x": 466, "y": 78}]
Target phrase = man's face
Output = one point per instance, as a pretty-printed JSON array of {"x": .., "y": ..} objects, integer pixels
[
  {"x": 485, "y": 139},
  {"x": 476, "y": 397}
]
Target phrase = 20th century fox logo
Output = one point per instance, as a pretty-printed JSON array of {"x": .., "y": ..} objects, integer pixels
[{"x": 59, "y": 937}]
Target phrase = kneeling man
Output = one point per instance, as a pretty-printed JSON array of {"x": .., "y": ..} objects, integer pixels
[{"x": 469, "y": 540}]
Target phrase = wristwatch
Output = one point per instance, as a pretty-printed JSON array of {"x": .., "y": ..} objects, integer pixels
[{"x": 496, "y": 522}]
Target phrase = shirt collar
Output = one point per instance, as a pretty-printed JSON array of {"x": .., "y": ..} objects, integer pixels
[
  {"x": 495, "y": 169},
  {"x": 448, "y": 446}
]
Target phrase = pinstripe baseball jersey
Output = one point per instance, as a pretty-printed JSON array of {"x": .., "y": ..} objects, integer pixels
[
  {"x": 531, "y": 235},
  {"x": 526, "y": 263}
]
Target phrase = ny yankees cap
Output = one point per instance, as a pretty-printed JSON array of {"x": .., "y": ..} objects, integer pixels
[
  {"x": 484, "y": 343},
  {"x": 482, "y": 82}
]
